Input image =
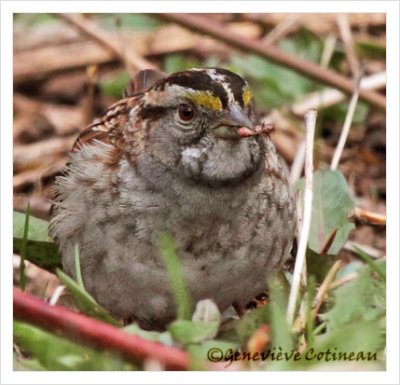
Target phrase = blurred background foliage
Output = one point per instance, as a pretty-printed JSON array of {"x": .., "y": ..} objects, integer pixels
[{"x": 63, "y": 79}]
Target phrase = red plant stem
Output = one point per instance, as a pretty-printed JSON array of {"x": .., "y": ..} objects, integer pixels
[{"x": 95, "y": 333}]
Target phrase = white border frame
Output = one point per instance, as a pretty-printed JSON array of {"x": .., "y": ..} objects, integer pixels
[{"x": 391, "y": 376}]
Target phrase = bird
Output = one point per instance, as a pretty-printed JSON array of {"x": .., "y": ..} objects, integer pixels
[{"x": 180, "y": 154}]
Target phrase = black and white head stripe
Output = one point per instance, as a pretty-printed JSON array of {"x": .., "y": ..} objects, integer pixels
[{"x": 214, "y": 88}]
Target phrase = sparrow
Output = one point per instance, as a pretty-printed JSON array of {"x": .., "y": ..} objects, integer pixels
[{"x": 181, "y": 154}]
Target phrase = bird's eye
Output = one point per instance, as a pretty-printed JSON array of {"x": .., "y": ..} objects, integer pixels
[{"x": 186, "y": 112}]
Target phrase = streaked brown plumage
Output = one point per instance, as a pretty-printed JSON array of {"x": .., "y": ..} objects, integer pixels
[{"x": 176, "y": 155}]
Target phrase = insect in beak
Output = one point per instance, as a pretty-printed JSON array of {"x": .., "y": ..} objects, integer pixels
[
  {"x": 233, "y": 121},
  {"x": 263, "y": 128}
]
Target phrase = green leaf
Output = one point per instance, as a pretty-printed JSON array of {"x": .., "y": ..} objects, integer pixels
[
  {"x": 318, "y": 265},
  {"x": 348, "y": 268},
  {"x": 338, "y": 350},
  {"x": 133, "y": 21},
  {"x": 176, "y": 278},
  {"x": 42, "y": 254},
  {"x": 241, "y": 330},
  {"x": 268, "y": 92},
  {"x": 85, "y": 301},
  {"x": 280, "y": 333},
  {"x": 337, "y": 113},
  {"x": 33, "y": 19},
  {"x": 303, "y": 44},
  {"x": 361, "y": 300},
  {"x": 115, "y": 85},
  {"x": 22, "y": 364},
  {"x": 309, "y": 302},
  {"x": 164, "y": 337},
  {"x": 331, "y": 205},
  {"x": 78, "y": 273},
  {"x": 371, "y": 50},
  {"x": 187, "y": 332},
  {"x": 22, "y": 278},
  {"x": 178, "y": 62},
  {"x": 354, "y": 337},
  {"x": 273, "y": 84},
  {"x": 379, "y": 268},
  {"x": 38, "y": 228},
  {"x": 40, "y": 248},
  {"x": 273, "y": 314},
  {"x": 51, "y": 352}
]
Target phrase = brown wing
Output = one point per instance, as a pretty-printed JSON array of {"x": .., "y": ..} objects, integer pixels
[
  {"x": 107, "y": 128},
  {"x": 88, "y": 135}
]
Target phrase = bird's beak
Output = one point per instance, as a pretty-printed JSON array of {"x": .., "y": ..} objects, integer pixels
[{"x": 229, "y": 125}]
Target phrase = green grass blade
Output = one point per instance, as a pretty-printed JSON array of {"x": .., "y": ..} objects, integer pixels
[
  {"x": 84, "y": 301},
  {"x": 309, "y": 304},
  {"x": 368, "y": 260},
  {"x": 22, "y": 278},
  {"x": 175, "y": 275},
  {"x": 78, "y": 272}
]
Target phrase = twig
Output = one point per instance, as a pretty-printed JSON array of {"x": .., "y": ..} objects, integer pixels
[
  {"x": 343, "y": 280},
  {"x": 22, "y": 277},
  {"x": 330, "y": 96},
  {"x": 132, "y": 60},
  {"x": 33, "y": 155},
  {"x": 328, "y": 243},
  {"x": 329, "y": 48},
  {"x": 40, "y": 205},
  {"x": 347, "y": 123},
  {"x": 312, "y": 70},
  {"x": 56, "y": 295},
  {"x": 324, "y": 288},
  {"x": 39, "y": 63},
  {"x": 35, "y": 177},
  {"x": 283, "y": 28},
  {"x": 297, "y": 165},
  {"x": 347, "y": 38},
  {"x": 355, "y": 246},
  {"x": 367, "y": 217},
  {"x": 95, "y": 333},
  {"x": 88, "y": 110},
  {"x": 310, "y": 119}
]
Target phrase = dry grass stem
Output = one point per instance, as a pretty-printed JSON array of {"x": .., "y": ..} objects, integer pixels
[
  {"x": 297, "y": 165},
  {"x": 324, "y": 288},
  {"x": 56, "y": 295},
  {"x": 347, "y": 38},
  {"x": 310, "y": 118},
  {"x": 329, "y": 48},
  {"x": 283, "y": 28},
  {"x": 346, "y": 126},
  {"x": 33, "y": 155},
  {"x": 132, "y": 60},
  {"x": 330, "y": 96},
  {"x": 371, "y": 251},
  {"x": 367, "y": 217},
  {"x": 328, "y": 243},
  {"x": 314, "y": 71},
  {"x": 343, "y": 280}
]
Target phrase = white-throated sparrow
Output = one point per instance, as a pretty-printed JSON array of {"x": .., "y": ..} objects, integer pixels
[{"x": 175, "y": 155}]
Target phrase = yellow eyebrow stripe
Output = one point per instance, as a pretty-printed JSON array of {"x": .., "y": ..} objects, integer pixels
[
  {"x": 205, "y": 99},
  {"x": 247, "y": 96}
]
